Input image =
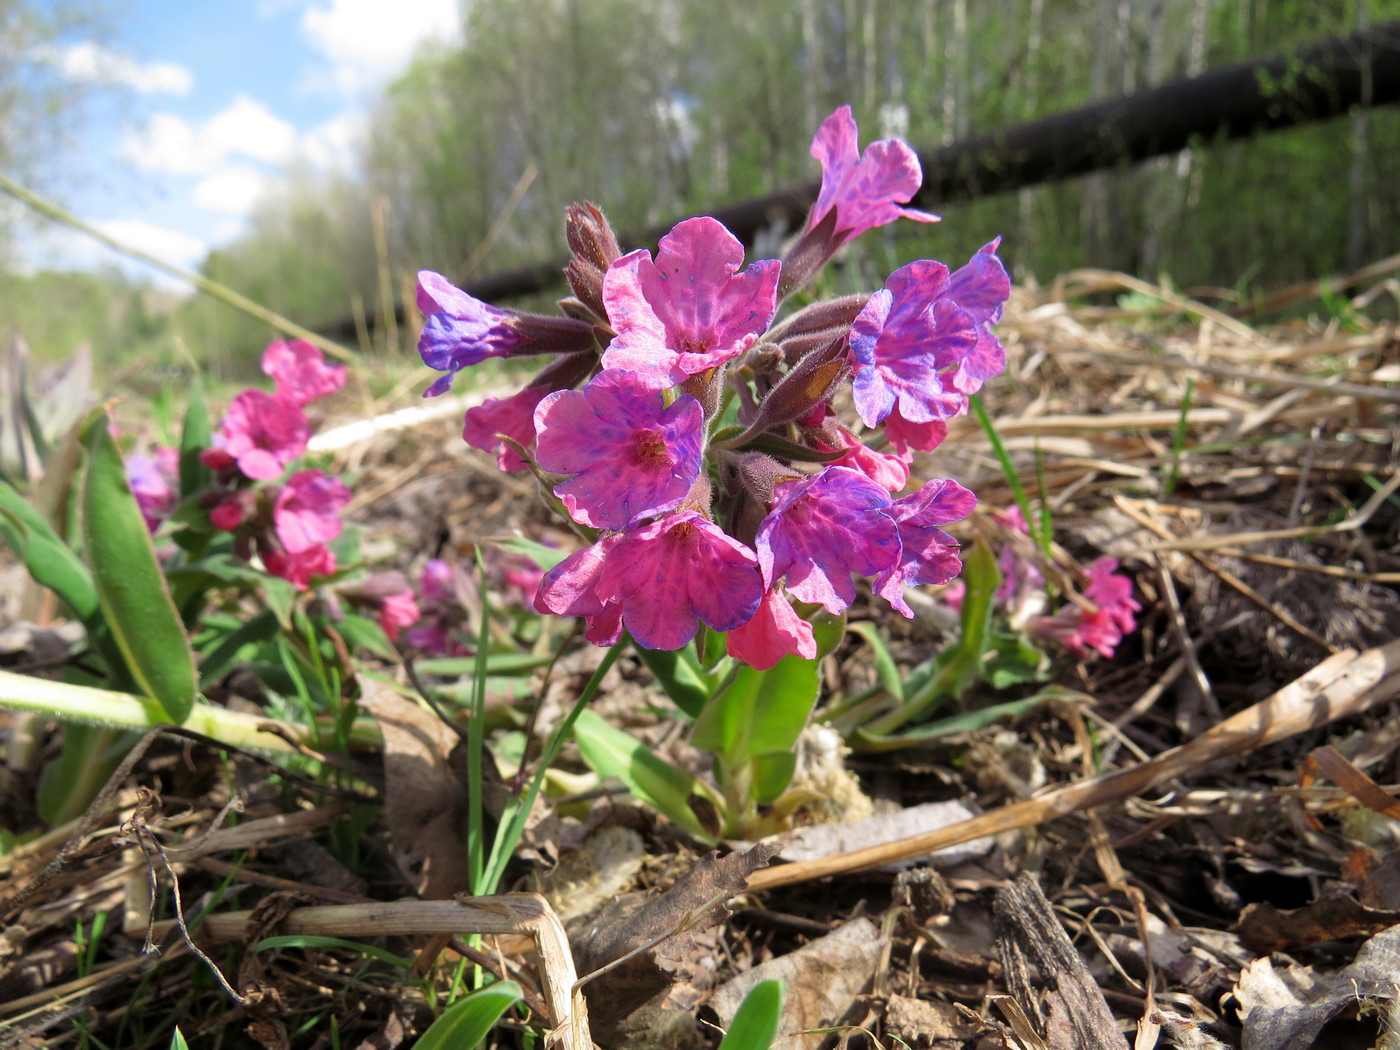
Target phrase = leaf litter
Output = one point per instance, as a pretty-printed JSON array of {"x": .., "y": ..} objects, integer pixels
[{"x": 1188, "y": 875}]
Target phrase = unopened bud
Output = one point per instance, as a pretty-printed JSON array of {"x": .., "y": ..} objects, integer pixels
[{"x": 594, "y": 247}]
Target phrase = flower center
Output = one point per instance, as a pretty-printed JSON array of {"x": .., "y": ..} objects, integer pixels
[{"x": 649, "y": 450}]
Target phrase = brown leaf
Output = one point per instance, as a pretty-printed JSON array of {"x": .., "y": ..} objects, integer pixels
[
  {"x": 823, "y": 980},
  {"x": 1265, "y": 929},
  {"x": 425, "y": 803},
  {"x": 649, "y": 948}
]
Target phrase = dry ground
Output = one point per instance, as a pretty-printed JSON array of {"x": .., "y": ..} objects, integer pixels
[{"x": 1197, "y": 846}]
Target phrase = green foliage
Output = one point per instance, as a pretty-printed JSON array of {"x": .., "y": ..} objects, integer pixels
[
  {"x": 466, "y": 1023},
  {"x": 755, "y": 1024}
]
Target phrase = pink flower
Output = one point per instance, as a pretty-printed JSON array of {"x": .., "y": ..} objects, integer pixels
[
  {"x": 264, "y": 433},
  {"x": 397, "y": 611},
  {"x": 300, "y": 371},
  {"x": 658, "y": 581},
  {"x": 690, "y": 310},
  {"x": 774, "y": 631},
  {"x": 512, "y": 416},
  {"x": 889, "y": 472},
  {"x": 866, "y": 190},
  {"x": 905, "y": 436},
  {"x": 298, "y": 568},
  {"x": 628, "y": 454},
  {"x": 1101, "y": 628},
  {"x": 307, "y": 511}
]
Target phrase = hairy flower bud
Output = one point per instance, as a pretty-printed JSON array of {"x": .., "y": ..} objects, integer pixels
[{"x": 594, "y": 247}]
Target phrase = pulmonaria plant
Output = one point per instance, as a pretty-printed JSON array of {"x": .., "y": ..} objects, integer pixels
[{"x": 699, "y": 444}]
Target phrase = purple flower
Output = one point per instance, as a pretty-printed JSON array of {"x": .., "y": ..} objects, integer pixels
[
  {"x": 629, "y": 454},
  {"x": 307, "y": 510},
  {"x": 927, "y": 553},
  {"x": 300, "y": 371},
  {"x": 690, "y": 310},
  {"x": 981, "y": 288},
  {"x": 154, "y": 481},
  {"x": 822, "y": 529},
  {"x": 512, "y": 416},
  {"x": 459, "y": 330},
  {"x": 864, "y": 191},
  {"x": 906, "y": 344},
  {"x": 264, "y": 433},
  {"x": 658, "y": 581}
]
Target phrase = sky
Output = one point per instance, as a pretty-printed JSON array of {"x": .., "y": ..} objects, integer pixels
[{"x": 209, "y": 101}]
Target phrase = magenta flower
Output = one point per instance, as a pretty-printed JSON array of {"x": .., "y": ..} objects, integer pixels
[
  {"x": 774, "y": 632},
  {"x": 307, "y": 510},
  {"x": 1101, "y": 628},
  {"x": 981, "y": 288},
  {"x": 628, "y": 454},
  {"x": 442, "y": 615},
  {"x": 459, "y": 330},
  {"x": 822, "y": 529},
  {"x": 906, "y": 344},
  {"x": 512, "y": 416},
  {"x": 397, "y": 611},
  {"x": 300, "y": 371},
  {"x": 905, "y": 436},
  {"x": 691, "y": 309},
  {"x": 658, "y": 581},
  {"x": 867, "y": 190},
  {"x": 264, "y": 433},
  {"x": 927, "y": 553},
  {"x": 889, "y": 472},
  {"x": 299, "y": 568}
]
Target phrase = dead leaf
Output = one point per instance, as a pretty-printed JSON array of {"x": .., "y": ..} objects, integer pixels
[
  {"x": 927, "y": 1025},
  {"x": 1287, "y": 1006},
  {"x": 637, "y": 955},
  {"x": 1265, "y": 929},
  {"x": 826, "y": 840},
  {"x": 425, "y": 804},
  {"x": 823, "y": 979}
]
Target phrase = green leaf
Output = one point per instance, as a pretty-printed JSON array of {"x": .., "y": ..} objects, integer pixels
[
  {"x": 281, "y": 598},
  {"x": 177, "y": 1040},
  {"x": 51, "y": 562},
  {"x": 772, "y": 774},
  {"x": 610, "y": 752},
  {"x": 755, "y": 1024},
  {"x": 131, "y": 588},
  {"x": 195, "y": 437},
  {"x": 758, "y": 712},
  {"x": 467, "y": 1022},
  {"x": 967, "y": 722},
  {"x": 678, "y": 672},
  {"x": 261, "y": 628},
  {"x": 543, "y": 557},
  {"x": 885, "y": 668}
]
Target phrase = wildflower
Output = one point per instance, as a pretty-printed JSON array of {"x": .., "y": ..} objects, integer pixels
[
  {"x": 300, "y": 371},
  {"x": 905, "y": 345},
  {"x": 690, "y": 309},
  {"x": 628, "y": 454},
  {"x": 460, "y": 330},
  {"x": 263, "y": 433},
  {"x": 154, "y": 481},
  {"x": 858, "y": 192},
  {"x": 822, "y": 529},
  {"x": 1101, "y": 627},
  {"x": 905, "y": 436},
  {"x": 300, "y": 566},
  {"x": 774, "y": 631},
  {"x": 442, "y": 614},
  {"x": 397, "y": 611},
  {"x": 307, "y": 510},
  {"x": 927, "y": 553},
  {"x": 658, "y": 581}
]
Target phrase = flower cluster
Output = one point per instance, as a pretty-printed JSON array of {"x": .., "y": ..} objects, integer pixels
[
  {"x": 1100, "y": 622},
  {"x": 288, "y": 522},
  {"x": 698, "y": 443}
]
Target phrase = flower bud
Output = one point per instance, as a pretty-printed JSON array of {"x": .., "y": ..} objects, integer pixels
[{"x": 594, "y": 247}]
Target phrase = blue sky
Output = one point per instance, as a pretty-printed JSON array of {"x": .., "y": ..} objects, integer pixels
[{"x": 200, "y": 104}]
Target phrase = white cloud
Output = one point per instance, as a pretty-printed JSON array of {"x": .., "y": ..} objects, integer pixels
[
  {"x": 332, "y": 146},
  {"x": 171, "y": 246},
  {"x": 232, "y": 190},
  {"x": 95, "y": 64},
  {"x": 369, "y": 41},
  {"x": 244, "y": 128}
]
